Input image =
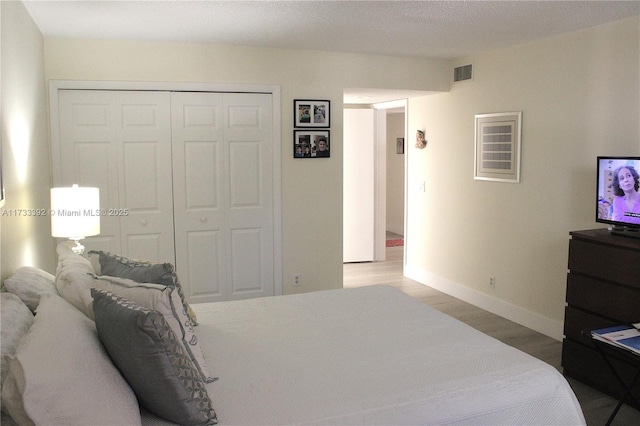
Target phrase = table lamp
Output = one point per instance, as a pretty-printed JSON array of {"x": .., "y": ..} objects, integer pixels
[{"x": 75, "y": 214}]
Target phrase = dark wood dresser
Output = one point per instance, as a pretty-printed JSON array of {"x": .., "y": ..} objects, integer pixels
[{"x": 603, "y": 289}]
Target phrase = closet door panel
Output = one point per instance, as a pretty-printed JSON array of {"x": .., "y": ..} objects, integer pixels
[
  {"x": 121, "y": 143},
  {"x": 244, "y": 175},
  {"x": 141, "y": 176},
  {"x": 198, "y": 179},
  {"x": 144, "y": 221},
  {"x": 88, "y": 129},
  {"x": 202, "y": 190},
  {"x": 203, "y": 256},
  {"x": 247, "y": 274},
  {"x": 248, "y": 132},
  {"x": 200, "y": 224},
  {"x": 145, "y": 179},
  {"x": 146, "y": 246},
  {"x": 98, "y": 174}
]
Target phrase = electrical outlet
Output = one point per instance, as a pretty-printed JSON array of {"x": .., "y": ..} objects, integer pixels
[
  {"x": 492, "y": 282},
  {"x": 297, "y": 280}
]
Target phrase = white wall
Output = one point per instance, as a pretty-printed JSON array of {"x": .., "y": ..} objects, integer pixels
[
  {"x": 395, "y": 173},
  {"x": 312, "y": 189},
  {"x": 579, "y": 97},
  {"x": 25, "y": 144}
]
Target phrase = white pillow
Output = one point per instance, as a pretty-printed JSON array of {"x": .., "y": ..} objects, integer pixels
[
  {"x": 16, "y": 319},
  {"x": 62, "y": 375},
  {"x": 74, "y": 277},
  {"x": 68, "y": 259},
  {"x": 28, "y": 283}
]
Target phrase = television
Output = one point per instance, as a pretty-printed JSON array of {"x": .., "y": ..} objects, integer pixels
[{"x": 618, "y": 203}]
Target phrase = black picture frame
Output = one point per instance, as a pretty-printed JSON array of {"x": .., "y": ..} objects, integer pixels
[
  {"x": 311, "y": 113},
  {"x": 309, "y": 144}
]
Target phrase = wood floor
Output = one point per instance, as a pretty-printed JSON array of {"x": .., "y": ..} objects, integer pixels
[{"x": 596, "y": 406}]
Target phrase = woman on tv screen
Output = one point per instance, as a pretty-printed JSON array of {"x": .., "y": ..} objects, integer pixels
[{"x": 626, "y": 204}]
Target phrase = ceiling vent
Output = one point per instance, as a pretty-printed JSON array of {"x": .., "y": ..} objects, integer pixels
[{"x": 462, "y": 73}]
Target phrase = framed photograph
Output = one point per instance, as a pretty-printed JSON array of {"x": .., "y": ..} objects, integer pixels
[
  {"x": 309, "y": 113},
  {"x": 497, "y": 149},
  {"x": 311, "y": 144},
  {"x": 400, "y": 146}
]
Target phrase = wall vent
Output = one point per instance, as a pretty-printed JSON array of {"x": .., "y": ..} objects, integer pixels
[{"x": 462, "y": 73}]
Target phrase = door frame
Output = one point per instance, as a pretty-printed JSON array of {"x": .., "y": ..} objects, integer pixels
[{"x": 275, "y": 90}]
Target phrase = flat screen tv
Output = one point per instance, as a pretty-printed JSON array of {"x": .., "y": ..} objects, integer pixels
[{"x": 619, "y": 194}]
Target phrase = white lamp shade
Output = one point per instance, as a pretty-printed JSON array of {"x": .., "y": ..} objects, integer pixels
[{"x": 75, "y": 212}]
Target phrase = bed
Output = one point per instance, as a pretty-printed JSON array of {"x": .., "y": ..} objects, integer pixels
[{"x": 370, "y": 355}]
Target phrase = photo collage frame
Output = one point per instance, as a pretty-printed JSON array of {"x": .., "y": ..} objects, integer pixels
[{"x": 311, "y": 124}]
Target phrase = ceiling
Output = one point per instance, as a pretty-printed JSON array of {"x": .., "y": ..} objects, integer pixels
[{"x": 428, "y": 29}]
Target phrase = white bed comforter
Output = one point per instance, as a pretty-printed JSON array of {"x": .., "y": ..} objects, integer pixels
[{"x": 371, "y": 355}]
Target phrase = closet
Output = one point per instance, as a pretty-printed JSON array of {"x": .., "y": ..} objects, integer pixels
[{"x": 194, "y": 173}]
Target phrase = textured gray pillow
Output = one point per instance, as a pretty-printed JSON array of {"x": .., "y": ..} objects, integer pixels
[
  {"x": 153, "y": 360},
  {"x": 28, "y": 283},
  {"x": 123, "y": 267},
  {"x": 165, "y": 300},
  {"x": 105, "y": 263}
]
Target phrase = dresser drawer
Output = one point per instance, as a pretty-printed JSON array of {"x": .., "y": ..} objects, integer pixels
[
  {"x": 619, "y": 303},
  {"x": 610, "y": 263},
  {"x": 587, "y": 365},
  {"x": 577, "y": 321}
]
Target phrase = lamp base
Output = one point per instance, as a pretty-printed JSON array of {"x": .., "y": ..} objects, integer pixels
[{"x": 78, "y": 248}]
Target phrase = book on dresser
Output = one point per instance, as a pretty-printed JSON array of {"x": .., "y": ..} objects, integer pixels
[{"x": 623, "y": 336}]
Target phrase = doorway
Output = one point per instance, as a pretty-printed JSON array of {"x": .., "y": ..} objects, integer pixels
[
  {"x": 374, "y": 179},
  {"x": 396, "y": 151}
]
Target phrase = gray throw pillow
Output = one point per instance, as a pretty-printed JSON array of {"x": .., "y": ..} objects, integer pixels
[
  {"x": 165, "y": 300},
  {"x": 153, "y": 360},
  {"x": 137, "y": 270},
  {"x": 112, "y": 265}
]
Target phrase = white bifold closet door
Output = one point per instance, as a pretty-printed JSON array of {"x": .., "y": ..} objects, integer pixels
[{"x": 194, "y": 172}]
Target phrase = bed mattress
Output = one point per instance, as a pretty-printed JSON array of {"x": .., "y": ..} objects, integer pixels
[{"x": 371, "y": 355}]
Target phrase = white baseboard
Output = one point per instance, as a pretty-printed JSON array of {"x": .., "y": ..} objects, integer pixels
[{"x": 537, "y": 322}]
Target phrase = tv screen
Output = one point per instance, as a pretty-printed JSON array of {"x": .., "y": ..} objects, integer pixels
[{"x": 618, "y": 197}]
